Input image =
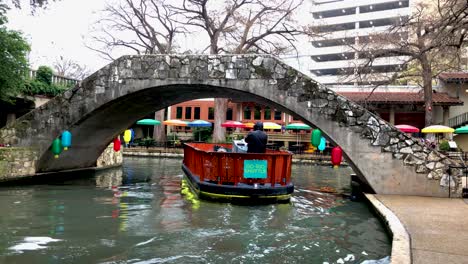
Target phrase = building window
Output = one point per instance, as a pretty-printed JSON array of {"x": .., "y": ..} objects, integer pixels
[
  {"x": 179, "y": 112},
  {"x": 258, "y": 113},
  {"x": 267, "y": 113},
  {"x": 196, "y": 113},
  {"x": 188, "y": 112},
  {"x": 211, "y": 113},
  {"x": 277, "y": 115},
  {"x": 247, "y": 113},
  {"x": 229, "y": 114}
]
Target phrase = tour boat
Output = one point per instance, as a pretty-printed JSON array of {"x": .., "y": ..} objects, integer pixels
[{"x": 225, "y": 172}]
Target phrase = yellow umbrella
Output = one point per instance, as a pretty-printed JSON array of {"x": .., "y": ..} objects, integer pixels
[
  {"x": 437, "y": 129},
  {"x": 271, "y": 125}
]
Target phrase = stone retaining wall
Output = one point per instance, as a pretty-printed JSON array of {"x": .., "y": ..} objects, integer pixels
[
  {"x": 17, "y": 162},
  {"x": 109, "y": 158}
]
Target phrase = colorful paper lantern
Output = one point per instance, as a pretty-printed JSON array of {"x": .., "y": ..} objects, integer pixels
[
  {"x": 127, "y": 136},
  {"x": 336, "y": 156},
  {"x": 56, "y": 147},
  {"x": 315, "y": 139},
  {"x": 322, "y": 145},
  {"x": 117, "y": 144},
  {"x": 66, "y": 139}
]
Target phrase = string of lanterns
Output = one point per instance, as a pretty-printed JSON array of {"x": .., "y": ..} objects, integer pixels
[{"x": 65, "y": 141}]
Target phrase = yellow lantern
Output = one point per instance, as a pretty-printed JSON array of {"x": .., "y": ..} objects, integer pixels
[{"x": 127, "y": 136}]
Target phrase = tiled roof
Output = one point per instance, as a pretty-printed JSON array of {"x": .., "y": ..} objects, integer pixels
[
  {"x": 454, "y": 76},
  {"x": 400, "y": 98}
]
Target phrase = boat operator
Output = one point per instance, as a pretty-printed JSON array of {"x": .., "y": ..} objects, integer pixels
[{"x": 257, "y": 139}]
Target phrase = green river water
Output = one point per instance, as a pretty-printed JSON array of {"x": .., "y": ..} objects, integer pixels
[{"x": 136, "y": 214}]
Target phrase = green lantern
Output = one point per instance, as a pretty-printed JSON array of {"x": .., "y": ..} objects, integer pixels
[
  {"x": 316, "y": 136},
  {"x": 56, "y": 147}
]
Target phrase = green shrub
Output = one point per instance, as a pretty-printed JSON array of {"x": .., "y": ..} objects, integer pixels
[
  {"x": 35, "y": 87},
  {"x": 202, "y": 133},
  {"x": 444, "y": 145},
  {"x": 44, "y": 74}
]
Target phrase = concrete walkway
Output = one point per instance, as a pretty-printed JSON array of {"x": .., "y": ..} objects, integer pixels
[{"x": 438, "y": 227}]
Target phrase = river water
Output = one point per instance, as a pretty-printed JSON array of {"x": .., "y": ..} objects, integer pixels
[{"x": 145, "y": 219}]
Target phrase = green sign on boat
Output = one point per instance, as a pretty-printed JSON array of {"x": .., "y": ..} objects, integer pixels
[{"x": 255, "y": 169}]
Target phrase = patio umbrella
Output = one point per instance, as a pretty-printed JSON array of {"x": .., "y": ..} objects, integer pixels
[
  {"x": 148, "y": 122},
  {"x": 249, "y": 125},
  {"x": 233, "y": 124},
  {"x": 271, "y": 125},
  {"x": 174, "y": 122},
  {"x": 297, "y": 127},
  {"x": 407, "y": 128},
  {"x": 437, "y": 129},
  {"x": 462, "y": 130},
  {"x": 199, "y": 123}
]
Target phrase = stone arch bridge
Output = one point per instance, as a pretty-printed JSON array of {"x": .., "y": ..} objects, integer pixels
[{"x": 113, "y": 98}]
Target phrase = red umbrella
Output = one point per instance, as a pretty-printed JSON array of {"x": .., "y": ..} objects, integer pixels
[
  {"x": 233, "y": 124},
  {"x": 407, "y": 128}
]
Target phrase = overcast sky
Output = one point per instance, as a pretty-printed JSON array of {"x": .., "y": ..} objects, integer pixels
[{"x": 61, "y": 30}]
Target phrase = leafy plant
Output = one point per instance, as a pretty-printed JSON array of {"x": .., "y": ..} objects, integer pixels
[
  {"x": 44, "y": 74},
  {"x": 444, "y": 145},
  {"x": 13, "y": 61},
  {"x": 202, "y": 133},
  {"x": 35, "y": 87}
]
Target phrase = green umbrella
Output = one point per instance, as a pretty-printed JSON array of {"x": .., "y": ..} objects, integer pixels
[
  {"x": 462, "y": 130},
  {"x": 298, "y": 126},
  {"x": 148, "y": 122}
]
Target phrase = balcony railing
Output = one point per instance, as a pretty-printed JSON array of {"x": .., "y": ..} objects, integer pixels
[
  {"x": 56, "y": 79},
  {"x": 458, "y": 120}
]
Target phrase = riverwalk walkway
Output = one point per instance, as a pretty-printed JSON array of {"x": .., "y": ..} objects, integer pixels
[{"x": 437, "y": 227}]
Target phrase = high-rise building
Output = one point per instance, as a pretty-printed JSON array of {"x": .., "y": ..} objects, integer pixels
[{"x": 345, "y": 25}]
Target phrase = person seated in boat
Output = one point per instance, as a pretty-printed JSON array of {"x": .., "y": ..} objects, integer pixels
[{"x": 257, "y": 139}]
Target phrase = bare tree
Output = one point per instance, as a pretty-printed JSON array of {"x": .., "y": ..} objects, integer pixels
[
  {"x": 71, "y": 69},
  {"x": 428, "y": 42},
  {"x": 241, "y": 26},
  {"x": 141, "y": 26}
]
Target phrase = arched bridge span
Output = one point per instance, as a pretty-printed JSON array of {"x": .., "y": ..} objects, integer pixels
[{"x": 113, "y": 98}]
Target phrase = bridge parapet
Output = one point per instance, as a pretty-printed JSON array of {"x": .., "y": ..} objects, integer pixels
[{"x": 113, "y": 98}]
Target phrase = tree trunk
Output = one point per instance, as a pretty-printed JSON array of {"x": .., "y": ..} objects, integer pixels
[
  {"x": 427, "y": 85},
  {"x": 219, "y": 132},
  {"x": 159, "y": 132}
]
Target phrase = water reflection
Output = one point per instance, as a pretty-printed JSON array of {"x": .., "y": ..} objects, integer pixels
[
  {"x": 138, "y": 215},
  {"x": 110, "y": 178}
]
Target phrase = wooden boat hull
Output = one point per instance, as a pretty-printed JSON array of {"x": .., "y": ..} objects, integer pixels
[{"x": 260, "y": 193}]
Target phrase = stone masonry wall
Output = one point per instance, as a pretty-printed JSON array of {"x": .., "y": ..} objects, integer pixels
[
  {"x": 109, "y": 158},
  {"x": 17, "y": 162}
]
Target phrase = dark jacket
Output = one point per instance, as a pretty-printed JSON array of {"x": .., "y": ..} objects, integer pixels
[{"x": 256, "y": 141}]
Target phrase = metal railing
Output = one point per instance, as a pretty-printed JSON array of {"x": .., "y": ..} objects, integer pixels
[{"x": 458, "y": 120}]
